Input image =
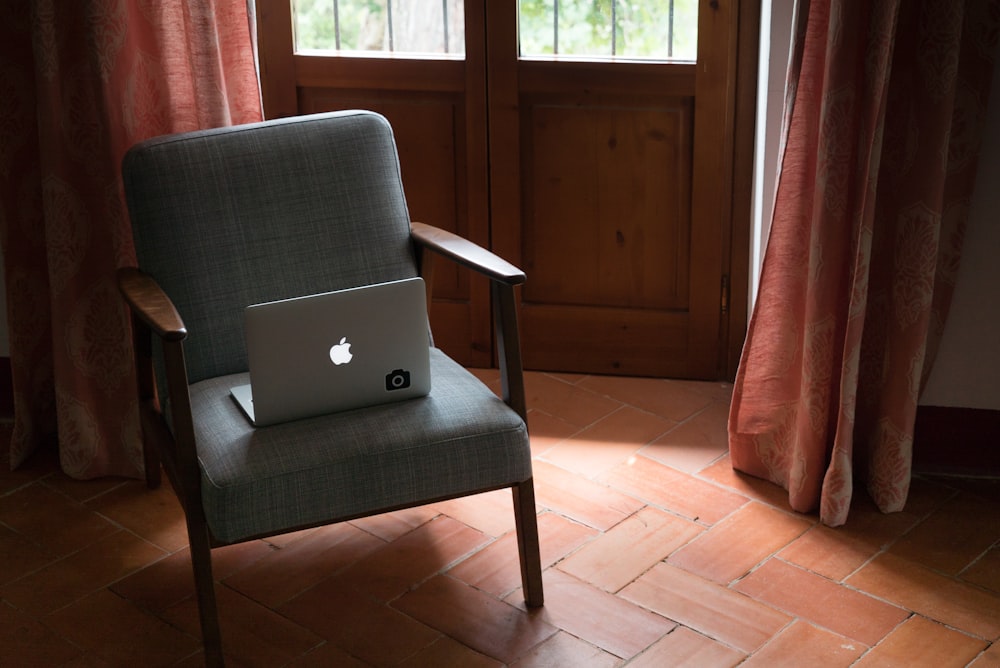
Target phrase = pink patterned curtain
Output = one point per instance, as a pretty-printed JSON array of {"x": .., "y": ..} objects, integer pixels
[
  {"x": 81, "y": 81},
  {"x": 883, "y": 136}
]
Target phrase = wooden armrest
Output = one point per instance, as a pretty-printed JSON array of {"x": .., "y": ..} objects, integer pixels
[
  {"x": 466, "y": 253},
  {"x": 150, "y": 304}
]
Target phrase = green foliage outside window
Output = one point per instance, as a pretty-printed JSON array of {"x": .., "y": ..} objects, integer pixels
[{"x": 642, "y": 28}]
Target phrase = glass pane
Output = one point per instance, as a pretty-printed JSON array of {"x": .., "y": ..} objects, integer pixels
[
  {"x": 637, "y": 29},
  {"x": 396, "y": 26}
]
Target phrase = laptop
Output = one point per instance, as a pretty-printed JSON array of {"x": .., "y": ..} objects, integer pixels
[{"x": 336, "y": 351}]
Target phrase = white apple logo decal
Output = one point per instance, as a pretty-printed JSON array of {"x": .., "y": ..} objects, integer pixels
[{"x": 341, "y": 352}]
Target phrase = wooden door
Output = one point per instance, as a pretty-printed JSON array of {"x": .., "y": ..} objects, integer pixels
[
  {"x": 436, "y": 105},
  {"x": 608, "y": 180}
]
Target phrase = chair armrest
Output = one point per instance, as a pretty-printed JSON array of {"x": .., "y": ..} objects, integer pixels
[
  {"x": 150, "y": 304},
  {"x": 505, "y": 277},
  {"x": 466, "y": 253}
]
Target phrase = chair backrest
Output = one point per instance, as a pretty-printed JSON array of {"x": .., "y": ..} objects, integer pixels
[{"x": 241, "y": 215}]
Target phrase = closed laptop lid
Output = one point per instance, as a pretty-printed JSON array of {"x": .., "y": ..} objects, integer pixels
[{"x": 336, "y": 351}]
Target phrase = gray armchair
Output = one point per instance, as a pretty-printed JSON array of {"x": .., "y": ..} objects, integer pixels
[{"x": 235, "y": 216}]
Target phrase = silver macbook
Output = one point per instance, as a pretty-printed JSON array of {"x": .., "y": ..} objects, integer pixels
[{"x": 336, "y": 351}]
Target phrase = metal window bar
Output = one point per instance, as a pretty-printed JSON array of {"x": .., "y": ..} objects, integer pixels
[
  {"x": 614, "y": 28},
  {"x": 389, "y": 21},
  {"x": 555, "y": 27},
  {"x": 444, "y": 21},
  {"x": 670, "y": 31},
  {"x": 388, "y": 9},
  {"x": 336, "y": 23}
]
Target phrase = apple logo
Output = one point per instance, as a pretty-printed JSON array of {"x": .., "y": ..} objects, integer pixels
[{"x": 341, "y": 352}]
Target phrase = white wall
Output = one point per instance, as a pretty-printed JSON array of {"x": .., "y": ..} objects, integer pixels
[
  {"x": 775, "y": 40},
  {"x": 967, "y": 371}
]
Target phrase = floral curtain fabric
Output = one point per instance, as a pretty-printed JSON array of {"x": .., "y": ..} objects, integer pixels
[
  {"x": 883, "y": 136},
  {"x": 80, "y": 82}
]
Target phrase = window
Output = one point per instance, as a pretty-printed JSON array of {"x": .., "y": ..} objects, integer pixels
[{"x": 640, "y": 29}]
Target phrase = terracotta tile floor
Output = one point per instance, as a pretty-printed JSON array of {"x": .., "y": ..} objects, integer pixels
[{"x": 656, "y": 554}]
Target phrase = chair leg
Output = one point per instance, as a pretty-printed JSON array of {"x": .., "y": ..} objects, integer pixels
[
  {"x": 527, "y": 543},
  {"x": 204, "y": 584}
]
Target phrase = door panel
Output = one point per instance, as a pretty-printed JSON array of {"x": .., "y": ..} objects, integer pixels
[
  {"x": 436, "y": 106},
  {"x": 608, "y": 180},
  {"x": 613, "y": 180},
  {"x": 430, "y": 135},
  {"x": 605, "y": 240},
  {"x": 587, "y": 204}
]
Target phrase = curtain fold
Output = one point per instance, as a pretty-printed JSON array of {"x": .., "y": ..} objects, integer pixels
[
  {"x": 878, "y": 169},
  {"x": 80, "y": 82}
]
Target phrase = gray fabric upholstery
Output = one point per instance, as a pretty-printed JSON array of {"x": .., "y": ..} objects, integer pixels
[
  {"x": 256, "y": 211},
  {"x": 461, "y": 438},
  {"x": 231, "y": 217}
]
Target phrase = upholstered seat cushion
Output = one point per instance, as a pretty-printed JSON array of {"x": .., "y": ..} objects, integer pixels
[{"x": 460, "y": 438}]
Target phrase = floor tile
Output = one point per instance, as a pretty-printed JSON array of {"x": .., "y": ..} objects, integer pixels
[
  {"x": 447, "y": 652},
  {"x": 921, "y": 642},
  {"x": 707, "y": 607},
  {"x": 985, "y": 572},
  {"x": 547, "y": 430},
  {"x": 52, "y": 520},
  {"x": 286, "y": 572},
  {"x": 171, "y": 579},
  {"x": 478, "y": 620},
  {"x": 608, "y": 442},
  {"x": 695, "y": 443},
  {"x": 674, "y": 491},
  {"x": 496, "y": 568},
  {"x": 229, "y": 559},
  {"x": 491, "y": 513},
  {"x": 567, "y": 401},
  {"x": 358, "y": 624},
  {"x": 153, "y": 514},
  {"x": 24, "y": 636},
  {"x": 20, "y": 556},
  {"x": 119, "y": 633},
  {"x": 392, "y": 569},
  {"x": 590, "y": 503},
  {"x": 109, "y": 558},
  {"x": 734, "y": 546},
  {"x": 931, "y": 594},
  {"x": 83, "y": 490},
  {"x": 829, "y": 552},
  {"x": 327, "y": 655},
  {"x": 823, "y": 602},
  {"x": 80, "y": 574},
  {"x": 629, "y": 549},
  {"x": 684, "y": 648},
  {"x": 390, "y": 526},
  {"x": 159, "y": 585},
  {"x": 562, "y": 649},
  {"x": 252, "y": 634},
  {"x": 954, "y": 536},
  {"x": 988, "y": 659},
  {"x": 43, "y": 462},
  {"x": 609, "y": 622},
  {"x": 722, "y": 473},
  {"x": 675, "y": 400},
  {"x": 802, "y": 644}
]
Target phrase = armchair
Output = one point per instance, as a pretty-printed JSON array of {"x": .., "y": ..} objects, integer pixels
[{"x": 234, "y": 216}]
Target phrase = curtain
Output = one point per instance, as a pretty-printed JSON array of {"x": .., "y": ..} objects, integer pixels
[
  {"x": 80, "y": 82},
  {"x": 883, "y": 134}
]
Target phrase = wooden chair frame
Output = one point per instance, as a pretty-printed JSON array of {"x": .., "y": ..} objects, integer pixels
[{"x": 154, "y": 314}]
